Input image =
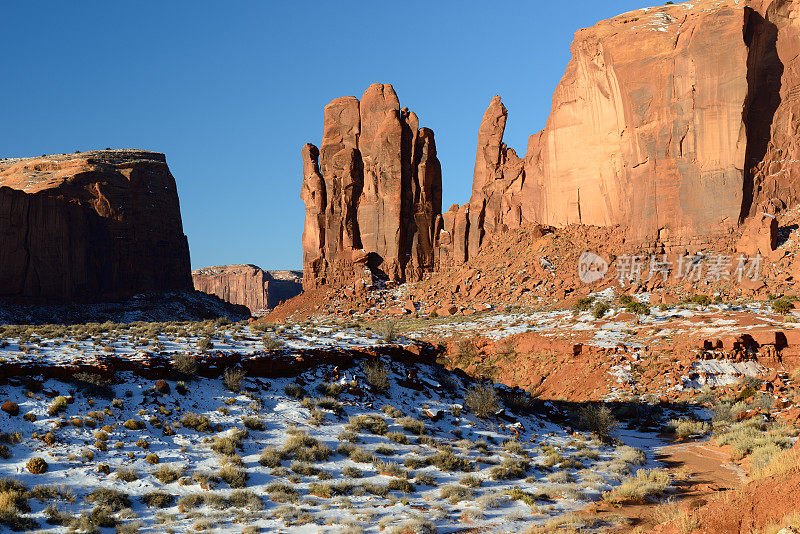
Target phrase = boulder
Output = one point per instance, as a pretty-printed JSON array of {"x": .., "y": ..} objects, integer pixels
[
  {"x": 91, "y": 226},
  {"x": 759, "y": 235},
  {"x": 11, "y": 408}
]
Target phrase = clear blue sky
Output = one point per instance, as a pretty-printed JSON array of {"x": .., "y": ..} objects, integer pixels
[{"x": 231, "y": 90}]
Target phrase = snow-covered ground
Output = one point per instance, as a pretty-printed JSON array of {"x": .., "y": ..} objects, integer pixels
[{"x": 320, "y": 452}]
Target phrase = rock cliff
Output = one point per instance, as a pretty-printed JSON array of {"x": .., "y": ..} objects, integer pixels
[
  {"x": 372, "y": 191},
  {"x": 674, "y": 121},
  {"x": 247, "y": 285},
  {"x": 90, "y": 226}
]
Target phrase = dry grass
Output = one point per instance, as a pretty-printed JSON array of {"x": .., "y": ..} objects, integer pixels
[{"x": 636, "y": 489}]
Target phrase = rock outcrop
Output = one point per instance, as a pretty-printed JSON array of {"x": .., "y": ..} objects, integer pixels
[
  {"x": 90, "y": 226},
  {"x": 372, "y": 192},
  {"x": 248, "y": 285}
]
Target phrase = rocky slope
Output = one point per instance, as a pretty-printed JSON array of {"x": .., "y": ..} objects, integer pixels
[
  {"x": 101, "y": 225},
  {"x": 372, "y": 191}
]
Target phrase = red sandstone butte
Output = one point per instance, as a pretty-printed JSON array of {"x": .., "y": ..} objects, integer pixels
[{"x": 90, "y": 226}]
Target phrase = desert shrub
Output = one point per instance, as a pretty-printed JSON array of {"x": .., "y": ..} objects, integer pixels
[
  {"x": 410, "y": 424},
  {"x": 142, "y": 443},
  {"x": 371, "y": 423},
  {"x": 225, "y": 445},
  {"x": 630, "y": 455},
  {"x": 158, "y": 499},
  {"x": 425, "y": 479},
  {"x": 637, "y": 488},
  {"x": 516, "y": 494},
  {"x": 470, "y": 481},
  {"x": 482, "y": 401},
  {"x": 185, "y": 364},
  {"x": 583, "y": 304},
  {"x": 166, "y": 474},
  {"x": 376, "y": 489},
  {"x": 782, "y": 305},
  {"x": 197, "y": 422},
  {"x": 377, "y": 375},
  {"x": 232, "y": 378},
  {"x": 391, "y": 411},
  {"x": 597, "y": 419},
  {"x": 36, "y": 465},
  {"x": 271, "y": 457},
  {"x": 57, "y": 405},
  {"x": 447, "y": 461},
  {"x": 320, "y": 490},
  {"x": 12, "y": 438},
  {"x": 133, "y": 424},
  {"x": 352, "y": 472},
  {"x": 303, "y": 447},
  {"x": 514, "y": 447},
  {"x": 386, "y": 467},
  {"x": 599, "y": 309},
  {"x": 398, "y": 437},
  {"x": 638, "y": 308},
  {"x": 270, "y": 343},
  {"x": 282, "y": 492},
  {"x": 455, "y": 493},
  {"x": 245, "y": 499},
  {"x": 235, "y": 477},
  {"x": 329, "y": 403},
  {"x": 253, "y": 423},
  {"x": 204, "y": 344},
  {"x": 359, "y": 455},
  {"x": 685, "y": 428},
  {"x": 304, "y": 469},
  {"x": 401, "y": 484},
  {"x": 112, "y": 499},
  {"x": 510, "y": 469},
  {"x": 294, "y": 391},
  {"x": 330, "y": 389},
  {"x": 389, "y": 333},
  {"x": 701, "y": 300},
  {"x": 625, "y": 299},
  {"x": 126, "y": 475}
]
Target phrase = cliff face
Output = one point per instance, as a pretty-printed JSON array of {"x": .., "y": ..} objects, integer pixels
[
  {"x": 238, "y": 284},
  {"x": 92, "y": 226},
  {"x": 248, "y": 285},
  {"x": 372, "y": 192},
  {"x": 673, "y": 121}
]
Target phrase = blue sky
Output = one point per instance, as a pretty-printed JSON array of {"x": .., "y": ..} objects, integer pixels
[{"x": 230, "y": 91}]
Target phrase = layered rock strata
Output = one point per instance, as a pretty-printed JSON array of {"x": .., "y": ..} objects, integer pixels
[{"x": 90, "y": 226}]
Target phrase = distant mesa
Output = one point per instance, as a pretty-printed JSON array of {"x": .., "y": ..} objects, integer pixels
[
  {"x": 248, "y": 285},
  {"x": 91, "y": 226}
]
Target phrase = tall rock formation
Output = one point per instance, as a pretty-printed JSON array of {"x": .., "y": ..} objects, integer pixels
[
  {"x": 674, "y": 121},
  {"x": 90, "y": 226},
  {"x": 372, "y": 192}
]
